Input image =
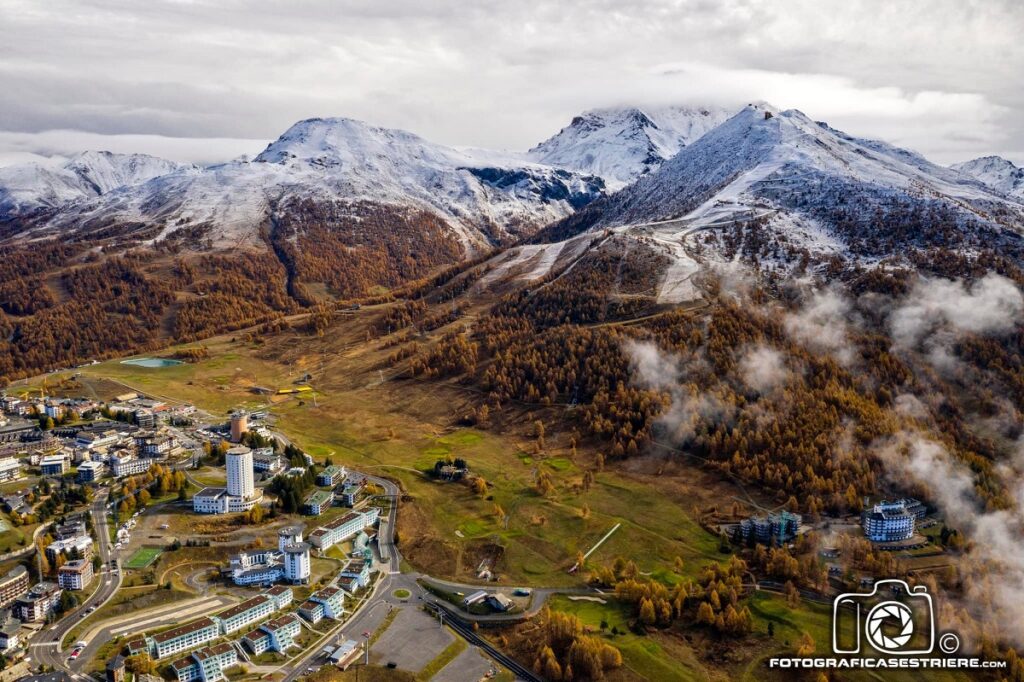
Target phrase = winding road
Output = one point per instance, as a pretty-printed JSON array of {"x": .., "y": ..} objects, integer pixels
[{"x": 45, "y": 646}]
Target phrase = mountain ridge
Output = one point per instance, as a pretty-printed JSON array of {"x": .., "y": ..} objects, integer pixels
[
  {"x": 483, "y": 197},
  {"x": 996, "y": 172},
  {"x": 621, "y": 144},
  {"x": 33, "y": 186}
]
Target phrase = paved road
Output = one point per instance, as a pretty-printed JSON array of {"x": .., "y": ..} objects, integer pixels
[
  {"x": 539, "y": 595},
  {"x": 392, "y": 580},
  {"x": 464, "y": 629},
  {"x": 45, "y": 648}
]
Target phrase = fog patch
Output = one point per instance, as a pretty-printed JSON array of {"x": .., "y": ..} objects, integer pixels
[
  {"x": 990, "y": 305},
  {"x": 822, "y": 324},
  {"x": 763, "y": 368},
  {"x": 655, "y": 369}
]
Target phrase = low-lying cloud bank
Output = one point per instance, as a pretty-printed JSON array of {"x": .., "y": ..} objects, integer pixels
[{"x": 924, "y": 324}]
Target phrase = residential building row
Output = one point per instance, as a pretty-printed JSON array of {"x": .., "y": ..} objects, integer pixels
[
  {"x": 203, "y": 630},
  {"x": 210, "y": 663},
  {"x": 343, "y": 528}
]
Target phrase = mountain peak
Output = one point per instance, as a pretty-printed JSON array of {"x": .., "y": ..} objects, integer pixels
[
  {"x": 337, "y": 141},
  {"x": 30, "y": 187},
  {"x": 621, "y": 144},
  {"x": 996, "y": 172}
]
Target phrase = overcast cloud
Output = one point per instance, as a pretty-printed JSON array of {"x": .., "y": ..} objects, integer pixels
[{"x": 939, "y": 76}]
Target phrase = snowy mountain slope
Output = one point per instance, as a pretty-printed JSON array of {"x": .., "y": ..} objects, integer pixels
[
  {"x": 763, "y": 159},
  {"x": 481, "y": 196},
  {"x": 781, "y": 188},
  {"x": 996, "y": 172},
  {"x": 622, "y": 144},
  {"x": 30, "y": 187}
]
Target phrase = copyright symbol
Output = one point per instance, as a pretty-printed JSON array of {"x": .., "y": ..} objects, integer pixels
[{"x": 949, "y": 643}]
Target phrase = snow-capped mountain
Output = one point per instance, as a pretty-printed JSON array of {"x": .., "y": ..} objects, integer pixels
[
  {"x": 996, "y": 172},
  {"x": 29, "y": 187},
  {"x": 777, "y": 187},
  {"x": 480, "y": 195},
  {"x": 765, "y": 160},
  {"x": 622, "y": 144}
]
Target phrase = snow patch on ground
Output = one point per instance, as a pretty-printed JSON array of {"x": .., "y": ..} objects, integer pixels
[{"x": 538, "y": 258}]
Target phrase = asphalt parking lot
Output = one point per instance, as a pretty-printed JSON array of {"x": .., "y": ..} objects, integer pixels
[
  {"x": 412, "y": 641},
  {"x": 469, "y": 665}
]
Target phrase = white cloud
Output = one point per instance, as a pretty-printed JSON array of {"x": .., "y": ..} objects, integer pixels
[
  {"x": 911, "y": 459},
  {"x": 822, "y": 324},
  {"x": 939, "y": 77},
  {"x": 763, "y": 368},
  {"x": 993, "y": 304},
  {"x": 54, "y": 145}
]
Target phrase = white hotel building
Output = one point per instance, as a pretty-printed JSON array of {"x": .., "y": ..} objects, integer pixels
[{"x": 239, "y": 495}]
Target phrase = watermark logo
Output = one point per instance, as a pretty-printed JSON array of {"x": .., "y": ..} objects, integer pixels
[
  {"x": 891, "y": 626},
  {"x": 899, "y": 627}
]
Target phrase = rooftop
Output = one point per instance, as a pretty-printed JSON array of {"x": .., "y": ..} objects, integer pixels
[
  {"x": 347, "y": 518},
  {"x": 319, "y": 497},
  {"x": 247, "y": 605},
  {"x": 278, "y": 623},
  {"x": 255, "y": 635},
  {"x": 76, "y": 566},
  {"x": 182, "y": 664},
  {"x": 210, "y": 651},
  {"x": 194, "y": 626},
  {"x": 211, "y": 492}
]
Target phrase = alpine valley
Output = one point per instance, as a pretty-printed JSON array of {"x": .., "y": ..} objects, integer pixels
[{"x": 647, "y": 329}]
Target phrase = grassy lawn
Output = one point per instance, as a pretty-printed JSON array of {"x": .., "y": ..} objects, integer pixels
[
  {"x": 211, "y": 477},
  {"x": 13, "y": 538},
  {"x": 143, "y": 557}
]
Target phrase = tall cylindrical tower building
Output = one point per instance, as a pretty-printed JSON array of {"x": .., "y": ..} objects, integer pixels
[
  {"x": 292, "y": 535},
  {"x": 296, "y": 563},
  {"x": 239, "y": 425},
  {"x": 241, "y": 482}
]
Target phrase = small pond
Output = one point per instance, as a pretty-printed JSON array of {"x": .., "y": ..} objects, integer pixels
[{"x": 151, "y": 362}]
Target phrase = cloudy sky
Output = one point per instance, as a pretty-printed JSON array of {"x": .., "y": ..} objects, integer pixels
[{"x": 207, "y": 80}]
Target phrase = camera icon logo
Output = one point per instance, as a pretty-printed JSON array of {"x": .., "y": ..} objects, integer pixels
[
  {"x": 879, "y": 615},
  {"x": 894, "y": 618}
]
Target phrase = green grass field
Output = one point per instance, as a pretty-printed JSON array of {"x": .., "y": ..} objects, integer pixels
[
  {"x": 143, "y": 558},
  {"x": 400, "y": 429}
]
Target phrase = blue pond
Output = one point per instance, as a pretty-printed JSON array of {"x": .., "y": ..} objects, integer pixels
[{"x": 151, "y": 362}]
